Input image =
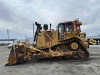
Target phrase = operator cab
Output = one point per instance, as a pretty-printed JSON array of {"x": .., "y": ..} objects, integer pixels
[{"x": 67, "y": 27}]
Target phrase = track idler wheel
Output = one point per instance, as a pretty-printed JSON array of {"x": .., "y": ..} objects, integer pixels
[{"x": 74, "y": 46}]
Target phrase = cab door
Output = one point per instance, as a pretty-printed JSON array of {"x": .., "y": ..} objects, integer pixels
[{"x": 61, "y": 31}]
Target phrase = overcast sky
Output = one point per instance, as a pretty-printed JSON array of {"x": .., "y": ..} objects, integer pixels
[{"x": 19, "y": 15}]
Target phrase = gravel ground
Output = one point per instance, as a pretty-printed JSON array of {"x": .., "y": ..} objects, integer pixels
[{"x": 90, "y": 67}]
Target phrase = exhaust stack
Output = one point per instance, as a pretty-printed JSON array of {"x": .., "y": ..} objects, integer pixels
[{"x": 50, "y": 26}]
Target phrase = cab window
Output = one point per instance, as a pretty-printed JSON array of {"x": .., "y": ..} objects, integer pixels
[
  {"x": 61, "y": 31},
  {"x": 69, "y": 27},
  {"x": 78, "y": 28}
]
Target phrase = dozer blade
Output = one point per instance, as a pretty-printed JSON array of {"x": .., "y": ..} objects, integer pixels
[
  {"x": 12, "y": 57},
  {"x": 11, "y": 60},
  {"x": 21, "y": 53},
  {"x": 16, "y": 55}
]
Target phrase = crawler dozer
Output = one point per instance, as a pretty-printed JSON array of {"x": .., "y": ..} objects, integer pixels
[{"x": 65, "y": 41}]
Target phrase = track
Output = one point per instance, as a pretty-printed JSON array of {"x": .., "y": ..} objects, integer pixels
[{"x": 67, "y": 43}]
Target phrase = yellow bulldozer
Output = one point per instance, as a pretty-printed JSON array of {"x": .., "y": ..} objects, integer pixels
[{"x": 67, "y": 41}]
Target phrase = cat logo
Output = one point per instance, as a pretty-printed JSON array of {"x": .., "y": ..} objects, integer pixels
[{"x": 92, "y": 41}]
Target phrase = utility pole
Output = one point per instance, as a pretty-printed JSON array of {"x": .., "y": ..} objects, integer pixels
[
  {"x": 33, "y": 33},
  {"x": 8, "y": 35}
]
